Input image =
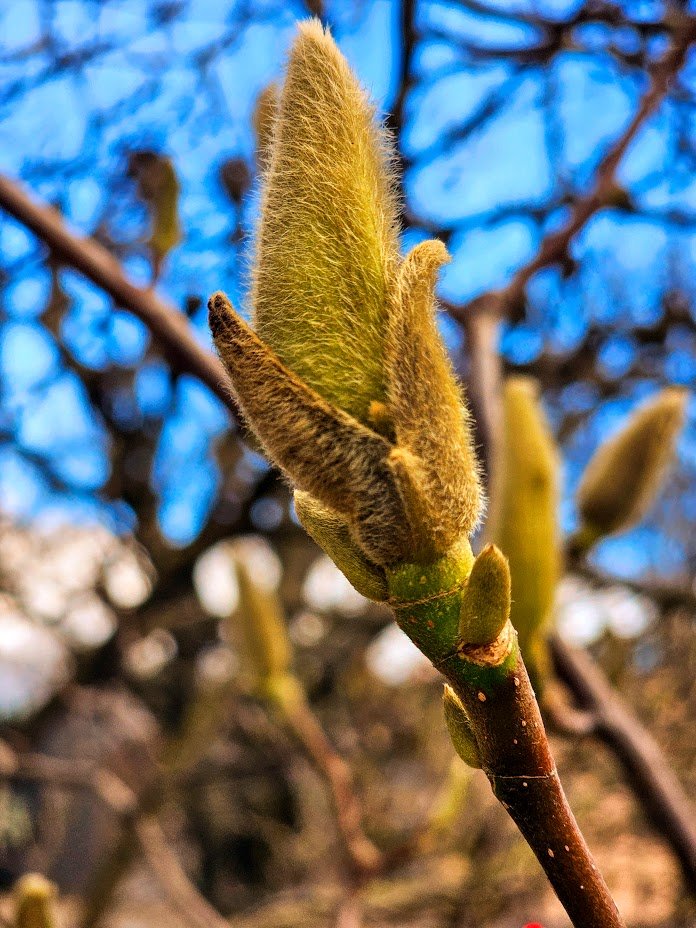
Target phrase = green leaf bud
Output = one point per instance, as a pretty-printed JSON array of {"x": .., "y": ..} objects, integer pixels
[{"x": 485, "y": 607}]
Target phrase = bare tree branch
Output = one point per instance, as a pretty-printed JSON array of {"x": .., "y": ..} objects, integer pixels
[
  {"x": 91, "y": 259},
  {"x": 121, "y": 800},
  {"x": 554, "y": 247},
  {"x": 660, "y": 792}
]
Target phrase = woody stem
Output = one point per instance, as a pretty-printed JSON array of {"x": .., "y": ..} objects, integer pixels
[{"x": 517, "y": 759}]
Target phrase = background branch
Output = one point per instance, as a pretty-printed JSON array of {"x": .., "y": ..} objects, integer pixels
[
  {"x": 90, "y": 258},
  {"x": 653, "y": 781}
]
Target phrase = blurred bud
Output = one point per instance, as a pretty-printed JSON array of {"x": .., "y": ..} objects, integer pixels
[
  {"x": 235, "y": 178},
  {"x": 523, "y": 520},
  {"x": 624, "y": 477},
  {"x": 268, "y": 647},
  {"x": 158, "y": 188},
  {"x": 35, "y": 900},
  {"x": 332, "y": 534},
  {"x": 459, "y": 728},
  {"x": 485, "y": 605}
]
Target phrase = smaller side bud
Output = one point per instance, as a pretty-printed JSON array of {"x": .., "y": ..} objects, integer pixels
[
  {"x": 34, "y": 902},
  {"x": 624, "y": 477},
  {"x": 459, "y": 728},
  {"x": 332, "y": 534},
  {"x": 265, "y": 634},
  {"x": 431, "y": 421},
  {"x": 485, "y": 607}
]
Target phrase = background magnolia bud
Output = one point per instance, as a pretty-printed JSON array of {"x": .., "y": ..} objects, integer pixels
[
  {"x": 265, "y": 633},
  {"x": 625, "y": 475},
  {"x": 34, "y": 902},
  {"x": 523, "y": 520},
  {"x": 158, "y": 188}
]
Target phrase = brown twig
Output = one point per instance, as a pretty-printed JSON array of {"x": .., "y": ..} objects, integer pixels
[
  {"x": 363, "y": 856},
  {"x": 653, "y": 781},
  {"x": 97, "y": 264},
  {"x": 516, "y": 757},
  {"x": 173, "y": 879}
]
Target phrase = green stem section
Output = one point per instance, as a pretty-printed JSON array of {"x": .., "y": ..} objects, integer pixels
[{"x": 492, "y": 683}]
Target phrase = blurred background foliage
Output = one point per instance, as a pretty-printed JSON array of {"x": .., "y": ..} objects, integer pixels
[{"x": 126, "y": 494}]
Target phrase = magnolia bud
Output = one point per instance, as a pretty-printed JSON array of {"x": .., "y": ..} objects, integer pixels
[
  {"x": 265, "y": 631},
  {"x": 34, "y": 902},
  {"x": 327, "y": 245},
  {"x": 485, "y": 605},
  {"x": 524, "y": 520},
  {"x": 624, "y": 477}
]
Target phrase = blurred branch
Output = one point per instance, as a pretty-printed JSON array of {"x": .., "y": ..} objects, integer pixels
[
  {"x": 120, "y": 799},
  {"x": 172, "y": 878},
  {"x": 311, "y": 737},
  {"x": 597, "y": 11},
  {"x": 554, "y": 247},
  {"x": 666, "y": 595},
  {"x": 96, "y": 263},
  {"x": 407, "y": 25},
  {"x": 652, "y": 780}
]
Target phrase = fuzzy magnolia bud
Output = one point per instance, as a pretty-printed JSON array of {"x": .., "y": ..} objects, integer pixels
[
  {"x": 265, "y": 632},
  {"x": 332, "y": 534},
  {"x": 523, "y": 519},
  {"x": 624, "y": 477},
  {"x": 327, "y": 244},
  {"x": 34, "y": 902},
  {"x": 264, "y": 117},
  {"x": 345, "y": 380},
  {"x": 485, "y": 605},
  {"x": 431, "y": 422},
  {"x": 459, "y": 728}
]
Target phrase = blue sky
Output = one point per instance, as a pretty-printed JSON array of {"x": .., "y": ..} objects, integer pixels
[{"x": 187, "y": 87}]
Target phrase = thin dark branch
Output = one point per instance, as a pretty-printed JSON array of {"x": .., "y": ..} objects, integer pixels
[
  {"x": 654, "y": 783},
  {"x": 121, "y": 800},
  {"x": 554, "y": 247},
  {"x": 91, "y": 259}
]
